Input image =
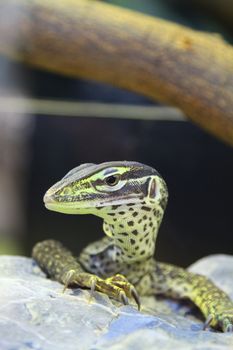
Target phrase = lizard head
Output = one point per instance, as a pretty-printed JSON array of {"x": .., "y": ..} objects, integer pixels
[{"x": 100, "y": 189}]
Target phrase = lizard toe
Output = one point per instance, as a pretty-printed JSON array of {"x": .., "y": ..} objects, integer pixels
[
  {"x": 229, "y": 328},
  {"x": 222, "y": 320},
  {"x": 121, "y": 282},
  {"x": 123, "y": 298},
  {"x": 208, "y": 321},
  {"x": 135, "y": 296}
]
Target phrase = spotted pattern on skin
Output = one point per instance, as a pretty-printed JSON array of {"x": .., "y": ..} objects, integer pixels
[
  {"x": 132, "y": 216},
  {"x": 136, "y": 226}
]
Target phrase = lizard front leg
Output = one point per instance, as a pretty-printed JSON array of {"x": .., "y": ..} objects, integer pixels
[
  {"x": 151, "y": 277},
  {"x": 59, "y": 264},
  {"x": 176, "y": 282}
]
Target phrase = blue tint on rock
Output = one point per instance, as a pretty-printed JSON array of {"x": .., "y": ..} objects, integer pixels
[{"x": 36, "y": 315}]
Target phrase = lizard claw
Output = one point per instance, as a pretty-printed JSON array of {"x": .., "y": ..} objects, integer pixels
[
  {"x": 116, "y": 286},
  {"x": 122, "y": 284},
  {"x": 93, "y": 286},
  {"x": 135, "y": 295},
  {"x": 123, "y": 298},
  {"x": 229, "y": 328},
  {"x": 67, "y": 279},
  {"x": 208, "y": 322},
  {"x": 222, "y": 320}
]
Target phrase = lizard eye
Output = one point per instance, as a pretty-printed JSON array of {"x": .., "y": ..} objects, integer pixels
[{"x": 112, "y": 180}]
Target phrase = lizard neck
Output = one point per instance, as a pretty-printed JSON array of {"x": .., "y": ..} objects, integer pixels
[{"x": 134, "y": 230}]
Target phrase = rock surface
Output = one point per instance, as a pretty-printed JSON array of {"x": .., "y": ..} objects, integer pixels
[{"x": 36, "y": 315}]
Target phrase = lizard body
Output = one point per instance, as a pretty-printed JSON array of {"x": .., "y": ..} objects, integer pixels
[{"x": 131, "y": 199}]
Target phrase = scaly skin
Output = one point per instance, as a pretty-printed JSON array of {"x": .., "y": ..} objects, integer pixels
[{"x": 131, "y": 199}]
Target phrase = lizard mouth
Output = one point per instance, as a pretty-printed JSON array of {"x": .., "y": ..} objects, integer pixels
[
  {"x": 85, "y": 206},
  {"x": 62, "y": 207}
]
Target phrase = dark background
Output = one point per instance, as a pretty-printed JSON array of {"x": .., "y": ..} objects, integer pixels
[{"x": 197, "y": 167}]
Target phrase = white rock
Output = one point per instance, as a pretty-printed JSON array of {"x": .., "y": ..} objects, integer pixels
[{"x": 36, "y": 315}]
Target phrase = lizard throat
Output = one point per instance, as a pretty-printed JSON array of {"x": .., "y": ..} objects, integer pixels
[{"x": 134, "y": 231}]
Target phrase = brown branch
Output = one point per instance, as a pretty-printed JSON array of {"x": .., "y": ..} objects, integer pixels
[{"x": 89, "y": 39}]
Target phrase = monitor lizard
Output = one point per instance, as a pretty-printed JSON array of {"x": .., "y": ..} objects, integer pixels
[{"x": 131, "y": 199}]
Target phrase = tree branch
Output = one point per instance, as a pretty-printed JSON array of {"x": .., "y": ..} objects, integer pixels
[{"x": 164, "y": 61}]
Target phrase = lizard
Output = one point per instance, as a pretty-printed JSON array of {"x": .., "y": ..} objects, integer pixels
[{"x": 131, "y": 199}]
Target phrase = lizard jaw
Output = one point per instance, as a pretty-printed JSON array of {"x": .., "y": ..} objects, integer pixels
[{"x": 61, "y": 207}]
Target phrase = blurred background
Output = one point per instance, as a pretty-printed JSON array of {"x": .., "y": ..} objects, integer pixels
[{"x": 39, "y": 145}]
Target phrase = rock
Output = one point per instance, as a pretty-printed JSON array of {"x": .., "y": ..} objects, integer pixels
[{"x": 36, "y": 315}]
